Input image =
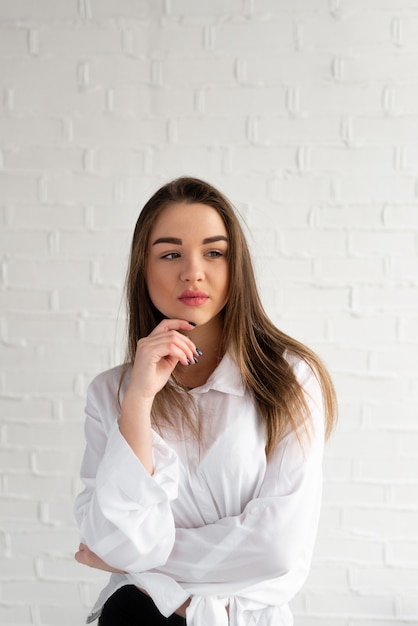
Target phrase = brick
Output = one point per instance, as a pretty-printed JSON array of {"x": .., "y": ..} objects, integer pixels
[
  {"x": 353, "y": 161},
  {"x": 18, "y": 300},
  {"x": 344, "y": 440},
  {"x": 384, "y": 131},
  {"x": 38, "y": 486},
  {"x": 387, "y": 298},
  {"x": 262, "y": 159},
  {"x": 48, "y": 273},
  {"x": 40, "y": 540},
  {"x": 202, "y": 72},
  {"x": 66, "y": 101},
  {"x": 313, "y": 243},
  {"x": 368, "y": 243},
  {"x": 24, "y": 244},
  {"x": 371, "y": 387},
  {"x": 112, "y": 72},
  {"x": 382, "y": 523},
  {"x": 50, "y": 616},
  {"x": 44, "y": 434},
  {"x": 403, "y": 358},
  {"x": 52, "y": 463},
  {"x": 18, "y": 615},
  {"x": 19, "y": 187},
  {"x": 296, "y": 131},
  {"x": 35, "y": 72},
  {"x": 333, "y": 577},
  {"x": 318, "y": 298},
  {"x": 118, "y": 161},
  {"x": 375, "y": 188},
  {"x": 49, "y": 327},
  {"x": 117, "y": 132},
  {"x": 61, "y": 511},
  {"x": 347, "y": 493},
  {"x": 14, "y": 460},
  {"x": 15, "y": 509},
  {"x": 386, "y": 580},
  {"x": 246, "y": 100},
  {"x": 380, "y": 470},
  {"x": 409, "y": 329},
  {"x": 355, "y": 605},
  {"x": 376, "y": 330},
  {"x": 306, "y": 329},
  {"x": 39, "y": 382},
  {"x": 129, "y": 9},
  {"x": 403, "y": 495},
  {"x": 205, "y": 160},
  {"x": 402, "y": 554},
  {"x": 215, "y": 9},
  {"x": 344, "y": 99},
  {"x": 25, "y": 408},
  {"x": 274, "y": 35},
  {"x": 41, "y": 158},
  {"x": 61, "y": 9},
  {"x": 13, "y": 40},
  {"x": 169, "y": 102},
  {"x": 361, "y": 31},
  {"x": 361, "y": 216},
  {"x": 350, "y": 270},
  {"x": 84, "y": 40},
  {"x": 282, "y": 68},
  {"x": 37, "y": 217},
  {"x": 57, "y": 593},
  {"x": 171, "y": 36},
  {"x": 78, "y": 188},
  {"x": 387, "y": 414},
  {"x": 216, "y": 131},
  {"x": 15, "y": 568},
  {"x": 401, "y": 216}
]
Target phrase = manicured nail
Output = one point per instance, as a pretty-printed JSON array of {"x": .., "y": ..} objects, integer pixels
[
  {"x": 192, "y": 324},
  {"x": 189, "y": 362},
  {"x": 199, "y": 352},
  {"x": 195, "y": 360}
]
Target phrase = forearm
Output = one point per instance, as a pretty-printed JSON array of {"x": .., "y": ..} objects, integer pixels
[{"x": 135, "y": 427}]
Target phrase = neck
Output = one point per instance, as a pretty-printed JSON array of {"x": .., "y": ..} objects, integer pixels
[{"x": 208, "y": 338}]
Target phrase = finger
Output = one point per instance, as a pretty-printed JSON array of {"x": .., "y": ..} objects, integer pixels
[{"x": 173, "y": 324}]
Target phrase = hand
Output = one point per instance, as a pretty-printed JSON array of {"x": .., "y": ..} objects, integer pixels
[
  {"x": 86, "y": 557},
  {"x": 156, "y": 357}
]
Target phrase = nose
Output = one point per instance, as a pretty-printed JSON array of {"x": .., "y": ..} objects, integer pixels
[{"x": 192, "y": 270}]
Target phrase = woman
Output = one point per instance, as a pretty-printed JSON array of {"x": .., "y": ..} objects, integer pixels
[{"x": 202, "y": 469}]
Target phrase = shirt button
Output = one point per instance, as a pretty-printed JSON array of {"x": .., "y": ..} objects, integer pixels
[{"x": 255, "y": 510}]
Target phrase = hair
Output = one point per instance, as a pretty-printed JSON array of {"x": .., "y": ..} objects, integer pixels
[{"x": 253, "y": 341}]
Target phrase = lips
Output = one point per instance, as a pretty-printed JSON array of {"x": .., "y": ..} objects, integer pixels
[{"x": 193, "y": 298}]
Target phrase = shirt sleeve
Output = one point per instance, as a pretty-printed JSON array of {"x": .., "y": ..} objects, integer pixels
[
  {"x": 123, "y": 513},
  {"x": 273, "y": 538}
]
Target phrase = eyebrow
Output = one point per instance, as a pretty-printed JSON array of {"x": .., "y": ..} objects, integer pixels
[{"x": 178, "y": 242}]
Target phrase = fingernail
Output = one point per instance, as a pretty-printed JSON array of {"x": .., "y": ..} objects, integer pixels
[
  {"x": 192, "y": 324},
  {"x": 199, "y": 352},
  {"x": 189, "y": 362},
  {"x": 195, "y": 360}
]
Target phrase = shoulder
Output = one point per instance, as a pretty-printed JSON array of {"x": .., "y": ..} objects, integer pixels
[
  {"x": 103, "y": 390},
  {"x": 300, "y": 367}
]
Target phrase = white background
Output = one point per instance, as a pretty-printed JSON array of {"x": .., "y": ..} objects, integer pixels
[{"x": 305, "y": 113}]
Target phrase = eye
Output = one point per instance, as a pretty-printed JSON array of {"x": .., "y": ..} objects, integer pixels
[
  {"x": 214, "y": 253},
  {"x": 170, "y": 255}
]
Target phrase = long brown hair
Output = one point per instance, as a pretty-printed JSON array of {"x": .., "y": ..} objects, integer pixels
[{"x": 249, "y": 336}]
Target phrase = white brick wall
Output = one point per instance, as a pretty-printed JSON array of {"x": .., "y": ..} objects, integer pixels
[{"x": 305, "y": 112}]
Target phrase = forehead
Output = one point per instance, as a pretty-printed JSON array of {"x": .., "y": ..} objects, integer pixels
[{"x": 192, "y": 216}]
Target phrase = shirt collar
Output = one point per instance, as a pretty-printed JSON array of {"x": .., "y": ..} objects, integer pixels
[{"x": 226, "y": 378}]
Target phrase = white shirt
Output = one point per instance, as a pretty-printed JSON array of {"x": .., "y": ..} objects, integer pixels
[{"x": 215, "y": 522}]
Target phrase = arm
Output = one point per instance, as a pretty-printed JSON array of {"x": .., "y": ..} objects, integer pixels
[
  {"x": 130, "y": 475},
  {"x": 274, "y": 535}
]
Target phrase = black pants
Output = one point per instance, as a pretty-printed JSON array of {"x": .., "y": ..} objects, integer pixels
[{"x": 130, "y": 607}]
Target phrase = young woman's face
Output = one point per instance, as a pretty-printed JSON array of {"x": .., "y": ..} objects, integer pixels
[{"x": 187, "y": 268}]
